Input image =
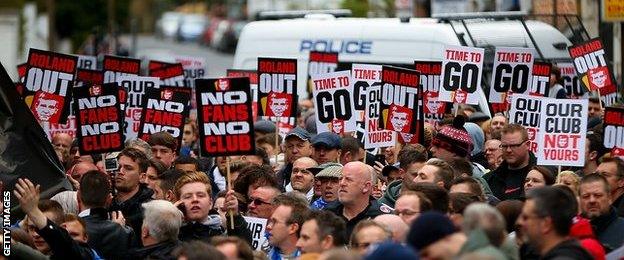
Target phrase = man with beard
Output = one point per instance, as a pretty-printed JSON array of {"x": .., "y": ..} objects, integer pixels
[
  {"x": 596, "y": 206},
  {"x": 329, "y": 176},
  {"x": 130, "y": 192},
  {"x": 302, "y": 179}
]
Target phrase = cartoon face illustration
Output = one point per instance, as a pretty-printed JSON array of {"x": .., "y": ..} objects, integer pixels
[
  {"x": 532, "y": 133},
  {"x": 96, "y": 90},
  {"x": 432, "y": 104},
  {"x": 398, "y": 120},
  {"x": 407, "y": 138},
  {"x": 46, "y": 108},
  {"x": 599, "y": 77},
  {"x": 460, "y": 96},
  {"x": 337, "y": 126},
  {"x": 167, "y": 94},
  {"x": 279, "y": 104},
  {"x": 562, "y": 142},
  {"x": 223, "y": 84}
]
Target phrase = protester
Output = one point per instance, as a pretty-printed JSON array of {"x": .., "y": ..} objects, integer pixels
[
  {"x": 327, "y": 147},
  {"x": 111, "y": 238},
  {"x": 537, "y": 177},
  {"x": 507, "y": 181},
  {"x": 556, "y": 89},
  {"x": 570, "y": 179},
  {"x": 350, "y": 151},
  {"x": 596, "y": 206},
  {"x": 436, "y": 171},
  {"x": 493, "y": 153},
  {"x": 595, "y": 108},
  {"x": 302, "y": 179},
  {"x": 395, "y": 225},
  {"x": 296, "y": 145},
  {"x": 233, "y": 248},
  {"x": 471, "y": 186},
  {"x": 482, "y": 219},
  {"x": 53, "y": 211},
  {"x": 62, "y": 143},
  {"x": 252, "y": 177},
  {"x": 329, "y": 177},
  {"x": 190, "y": 136},
  {"x": 367, "y": 233},
  {"x": 458, "y": 202},
  {"x": 165, "y": 184},
  {"x": 498, "y": 122},
  {"x": 355, "y": 202},
  {"x": 67, "y": 198},
  {"x": 410, "y": 205},
  {"x": 453, "y": 141},
  {"x": 164, "y": 147},
  {"x": 612, "y": 169},
  {"x": 260, "y": 202},
  {"x": 410, "y": 161},
  {"x": 438, "y": 196},
  {"x": 159, "y": 231},
  {"x": 285, "y": 224},
  {"x": 594, "y": 150},
  {"x": 545, "y": 222},
  {"x": 155, "y": 169},
  {"x": 186, "y": 164},
  {"x": 321, "y": 231}
]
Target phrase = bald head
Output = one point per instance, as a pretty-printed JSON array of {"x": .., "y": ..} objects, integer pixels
[
  {"x": 356, "y": 184},
  {"x": 81, "y": 168},
  {"x": 306, "y": 161},
  {"x": 395, "y": 224},
  {"x": 62, "y": 139}
]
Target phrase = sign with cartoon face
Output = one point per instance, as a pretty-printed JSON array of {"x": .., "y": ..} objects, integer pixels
[
  {"x": 512, "y": 73},
  {"x": 562, "y": 131},
  {"x": 401, "y": 101},
  {"x": 47, "y": 107},
  {"x": 332, "y": 98},
  {"x": 164, "y": 109},
  {"x": 277, "y": 87},
  {"x": 462, "y": 68},
  {"x": 591, "y": 66}
]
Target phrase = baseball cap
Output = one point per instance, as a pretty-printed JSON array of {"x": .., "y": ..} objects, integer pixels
[
  {"x": 327, "y": 139},
  {"x": 389, "y": 168},
  {"x": 299, "y": 133}
]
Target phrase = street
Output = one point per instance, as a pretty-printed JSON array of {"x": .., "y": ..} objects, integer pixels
[{"x": 165, "y": 49}]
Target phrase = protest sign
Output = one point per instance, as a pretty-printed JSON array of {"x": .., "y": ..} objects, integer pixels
[
  {"x": 434, "y": 109},
  {"x": 618, "y": 152},
  {"x": 401, "y": 101},
  {"x": 511, "y": 73},
  {"x": 21, "y": 73},
  {"x": 525, "y": 111},
  {"x": 321, "y": 63},
  {"x": 164, "y": 109},
  {"x": 194, "y": 68},
  {"x": 562, "y": 131},
  {"x": 540, "y": 83},
  {"x": 332, "y": 98},
  {"x": 613, "y": 127},
  {"x": 87, "y": 62},
  {"x": 170, "y": 74},
  {"x": 461, "y": 75},
  {"x": 89, "y": 77},
  {"x": 277, "y": 87},
  {"x": 99, "y": 119},
  {"x": 48, "y": 84},
  {"x": 591, "y": 66},
  {"x": 253, "y": 85},
  {"x": 224, "y": 116},
  {"x": 136, "y": 88},
  {"x": 114, "y": 67},
  {"x": 257, "y": 227},
  {"x": 570, "y": 81}
]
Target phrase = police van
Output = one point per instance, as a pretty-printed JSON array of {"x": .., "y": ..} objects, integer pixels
[{"x": 393, "y": 41}]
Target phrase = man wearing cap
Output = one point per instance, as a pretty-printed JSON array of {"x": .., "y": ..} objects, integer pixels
[
  {"x": 355, "y": 202},
  {"x": 329, "y": 175},
  {"x": 326, "y": 147},
  {"x": 296, "y": 145},
  {"x": 301, "y": 178},
  {"x": 263, "y": 127}
]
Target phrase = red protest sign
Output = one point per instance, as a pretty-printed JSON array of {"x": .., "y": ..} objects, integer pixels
[
  {"x": 592, "y": 68},
  {"x": 401, "y": 101},
  {"x": 164, "y": 109},
  {"x": 224, "y": 116},
  {"x": 114, "y": 66},
  {"x": 89, "y": 77},
  {"x": 613, "y": 127},
  {"x": 52, "y": 75},
  {"x": 170, "y": 74},
  {"x": 540, "y": 83},
  {"x": 321, "y": 63},
  {"x": 277, "y": 87},
  {"x": 253, "y": 85},
  {"x": 434, "y": 109},
  {"x": 98, "y": 118}
]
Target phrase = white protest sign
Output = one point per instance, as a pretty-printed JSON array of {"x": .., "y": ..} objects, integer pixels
[
  {"x": 194, "y": 68},
  {"x": 136, "y": 87},
  {"x": 525, "y": 111},
  {"x": 332, "y": 93},
  {"x": 374, "y": 136},
  {"x": 562, "y": 131},
  {"x": 461, "y": 75},
  {"x": 511, "y": 73},
  {"x": 257, "y": 227}
]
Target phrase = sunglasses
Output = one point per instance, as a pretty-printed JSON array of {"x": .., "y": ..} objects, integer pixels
[{"x": 257, "y": 202}]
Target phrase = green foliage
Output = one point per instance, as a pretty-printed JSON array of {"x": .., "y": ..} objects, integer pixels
[{"x": 358, "y": 7}]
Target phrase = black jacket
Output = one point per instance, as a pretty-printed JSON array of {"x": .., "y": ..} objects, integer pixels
[
  {"x": 62, "y": 245},
  {"x": 109, "y": 239},
  {"x": 132, "y": 209},
  {"x": 199, "y": 231},
  {"x": 373, "y": 210},
  {"x": 160, "y": 251},
  {"x": 569, "y": 249},
  {"x": 609, "y": 229},
  {"x": 508, "y": 184}
]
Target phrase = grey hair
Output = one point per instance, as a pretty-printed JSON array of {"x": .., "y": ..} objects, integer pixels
[
  {"x": 485, "y": 217},
  {"x": 162, "y": 219},
  {"x": 141, "y": 145},
  {"x": 372, "y": 173}
]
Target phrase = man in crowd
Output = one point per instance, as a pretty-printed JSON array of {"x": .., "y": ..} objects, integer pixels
[
  {"x": 498, "y": 122},
  {"x": 507, "y": 181},
  {"x": 284, "y": 226},
  {"x": 186, "y": 164},
  {"x": 194, "y": 191},
  {"x": 260, "y": 201},
  {"x": 165, "y": 184},
  {"x": 612, "y": 169},
  {"x": 395, "y": 225},
  {"x": 367, "y": 233},
  {"x": 159, "y": 231},
  {"x": 350, "y": 151},
  {"x": 410, "y": 160},
  {"x": 594, "y": 149},
  {"x": 436, "y": 171},
  {"x": 109, "y": 238},
  {"x": 596, "y": 206},
  {"x": 301, "y": 178},
  {"x": 454, "y": 142},
  {"x": 595, "y": 109},
  {"x": 321, "y": 231},
  {"x": 130, "y": 193},
  {"x": 355, "y": 202},
  {"x": 410, "y": 205},
  {"x": 329, "y": 177},
  {"x": 493, "y": 153},
  {"x": 545, "y": 222},
  {"x": 164, "y": 147},
  {"x": 326, "y": 147},
  {"x": 62, "y": 142},
  {"x": 297, "y": 145}
]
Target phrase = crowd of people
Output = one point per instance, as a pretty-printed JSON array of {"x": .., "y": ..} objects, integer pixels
[{"x": 471, "y": 190}]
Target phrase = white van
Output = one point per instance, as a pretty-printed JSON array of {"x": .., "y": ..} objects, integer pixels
[{"x": 386, "y": 40}]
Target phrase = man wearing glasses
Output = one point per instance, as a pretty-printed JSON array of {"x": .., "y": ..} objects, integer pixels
[
  {"x": 283, "y": 227},
  {"x": 260, "y": 199},
  {"x": 507, "y": 181}
]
